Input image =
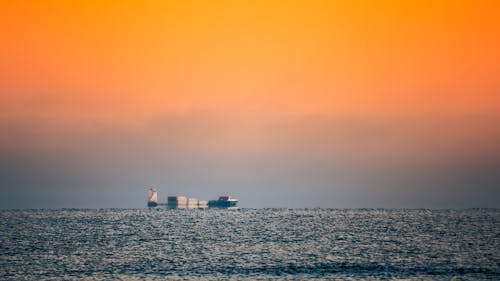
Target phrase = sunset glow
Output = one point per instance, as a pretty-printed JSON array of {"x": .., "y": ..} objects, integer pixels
[{"x": 235, "y": 78}]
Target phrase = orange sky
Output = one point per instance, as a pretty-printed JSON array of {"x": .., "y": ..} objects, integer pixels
[
  {"x": 127, "y": 59},
  {"x": 345, "y": 103}
]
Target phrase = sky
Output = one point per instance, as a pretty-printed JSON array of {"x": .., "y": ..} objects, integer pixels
[{"x": 333, "y": 104}]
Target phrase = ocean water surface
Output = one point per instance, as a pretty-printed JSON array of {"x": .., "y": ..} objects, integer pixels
[{"x": 247, "y": 244}]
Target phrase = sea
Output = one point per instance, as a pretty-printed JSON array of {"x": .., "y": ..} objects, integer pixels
[{"x": 250, "y": 244}]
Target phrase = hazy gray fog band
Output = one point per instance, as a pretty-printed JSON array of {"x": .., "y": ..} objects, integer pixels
[{"x": 265, "y": 160}]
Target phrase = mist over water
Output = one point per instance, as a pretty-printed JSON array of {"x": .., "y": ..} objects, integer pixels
[
  {"x": 296, "y": 161},
  {"x": 249, "y": 244}
]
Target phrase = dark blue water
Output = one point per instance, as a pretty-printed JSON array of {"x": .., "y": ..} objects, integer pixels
[{"x": 249, "y": 244}]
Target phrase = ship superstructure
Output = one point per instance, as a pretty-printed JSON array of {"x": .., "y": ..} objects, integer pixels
[
  {"x": 224, "y": 202},
  {"x": 153, "y": 198}
]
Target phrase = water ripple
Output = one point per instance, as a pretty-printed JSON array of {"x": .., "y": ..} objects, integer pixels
[{"x": 249, "y": 244}]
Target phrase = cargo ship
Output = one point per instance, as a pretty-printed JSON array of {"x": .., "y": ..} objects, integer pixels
[{"x": 183, "y": 202}]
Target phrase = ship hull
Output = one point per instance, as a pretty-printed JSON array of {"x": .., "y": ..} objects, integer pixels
[{"x": 222, "y": 204}]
